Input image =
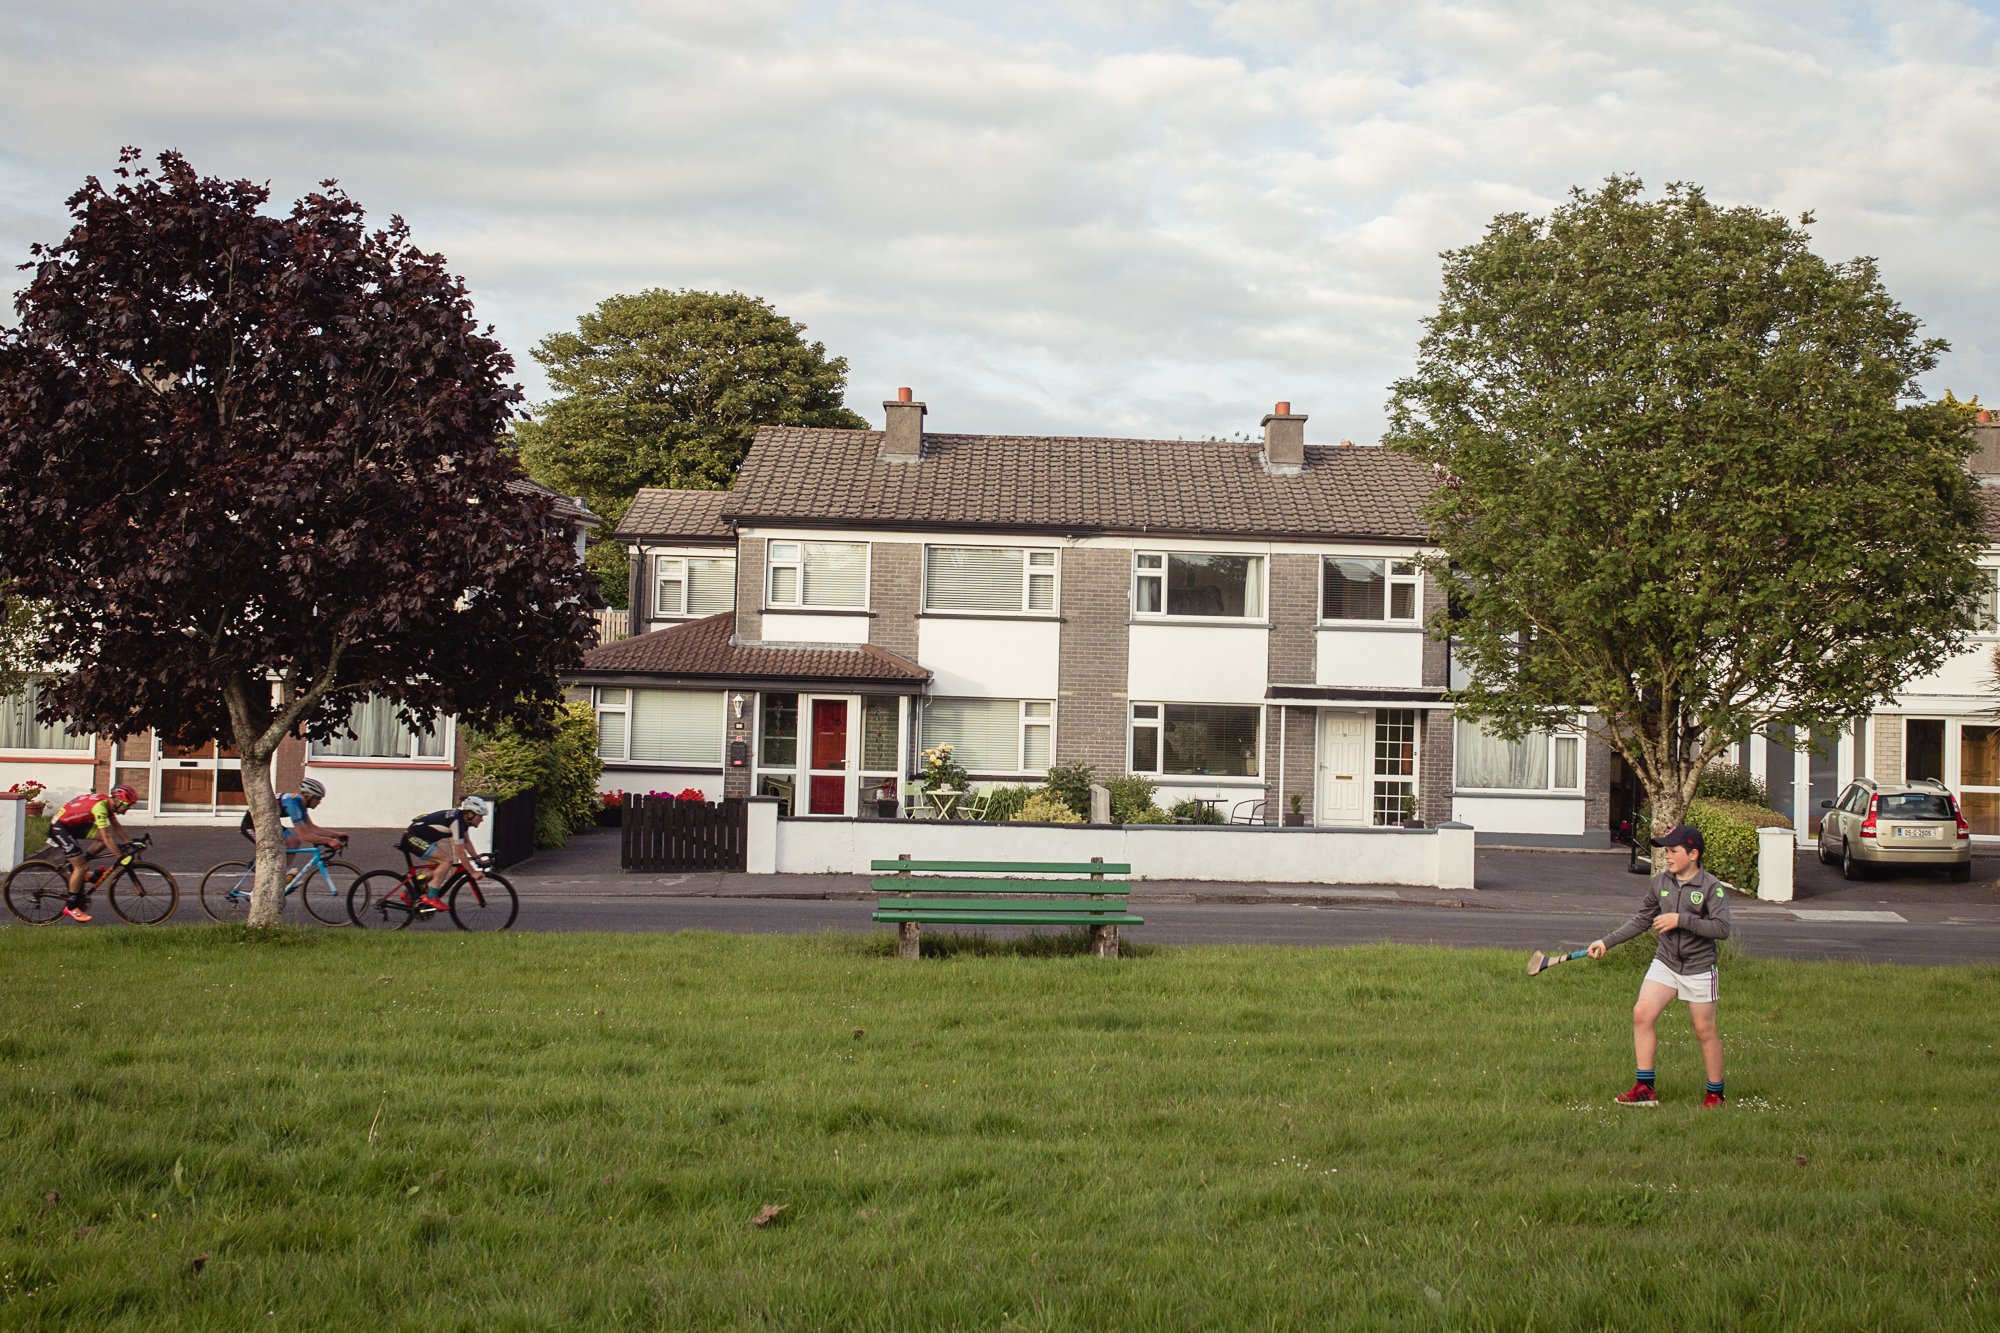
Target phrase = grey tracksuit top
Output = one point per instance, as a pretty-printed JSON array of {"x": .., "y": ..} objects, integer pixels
[{"x": 1690, "y": 947}]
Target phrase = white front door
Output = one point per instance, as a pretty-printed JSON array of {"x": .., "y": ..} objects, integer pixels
[{"x": 1343, "y": 768}]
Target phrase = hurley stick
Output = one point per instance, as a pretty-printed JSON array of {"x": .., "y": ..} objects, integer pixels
[{"x": 1541, "y": 962}]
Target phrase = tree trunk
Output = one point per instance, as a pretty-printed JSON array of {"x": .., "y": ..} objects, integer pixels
[{"x": 256, "y": 747}]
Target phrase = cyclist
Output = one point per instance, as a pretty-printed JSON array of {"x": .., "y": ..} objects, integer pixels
[
  {"x": 297, "y": 808},
  {"x": 93, "y": 815},
  {"x": 443, "y": 837}
]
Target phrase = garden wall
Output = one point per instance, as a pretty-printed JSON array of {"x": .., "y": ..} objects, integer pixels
[{"x": 1433, "y": 857}]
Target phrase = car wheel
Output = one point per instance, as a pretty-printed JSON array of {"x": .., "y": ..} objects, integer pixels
[
  {"x": 1849, "y": 868},
  {"x": 1824, "y": 858}
]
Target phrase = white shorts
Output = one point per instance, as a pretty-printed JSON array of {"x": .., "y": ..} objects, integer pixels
[{"x": 1701, "y": 988}]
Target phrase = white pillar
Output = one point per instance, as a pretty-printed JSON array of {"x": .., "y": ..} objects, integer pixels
[
  {"x": 760, "y": 850},
  {"x": 13, "y": 832},
  {"x": 1776, "y": 854},
  {"x": 1455, "y": 856}
]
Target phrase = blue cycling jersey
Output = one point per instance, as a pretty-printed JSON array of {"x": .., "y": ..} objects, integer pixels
[{"x": 293, "y": 807}]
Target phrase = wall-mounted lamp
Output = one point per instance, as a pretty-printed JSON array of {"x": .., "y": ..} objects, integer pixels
[{"x": 738, "y": 702}]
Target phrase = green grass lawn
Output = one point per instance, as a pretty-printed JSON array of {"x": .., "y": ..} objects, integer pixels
[{"x": 529, "y": 1132}]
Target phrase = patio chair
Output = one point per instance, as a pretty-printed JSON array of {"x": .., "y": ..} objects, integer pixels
[{"x": 1247, "y": 812}]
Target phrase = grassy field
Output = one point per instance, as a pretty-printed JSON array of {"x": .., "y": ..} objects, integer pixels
[{"x": 527, "y": 1132}]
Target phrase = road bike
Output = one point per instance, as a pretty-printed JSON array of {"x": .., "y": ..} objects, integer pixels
[
  {"x": 141, "y": 893},
  {"x": 321, "y": 884},
  {"x": 385, "y": 900}
]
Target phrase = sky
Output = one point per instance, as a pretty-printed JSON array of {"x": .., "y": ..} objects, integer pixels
[{"x": 1096, "y": 217}]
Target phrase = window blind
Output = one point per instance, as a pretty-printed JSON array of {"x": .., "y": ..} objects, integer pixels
[
  {"x": 1035, "y": 736},
  {"x": 711, "y": 587},
  {"x": 611, "y": 735},
  {"x": 677, "y": 726},
  {"x": 974, "y": 578},
  {"x": 836, "y": 574},
  {"x": 985, "y": 734},
  {"x": 667, "y": 585},
  {"x": 1354, "y": 589}
]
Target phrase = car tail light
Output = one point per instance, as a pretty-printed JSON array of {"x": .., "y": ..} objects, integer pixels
[
  {"x": 1868, "y": 824},
  {"x": 1964, "y": 829}
]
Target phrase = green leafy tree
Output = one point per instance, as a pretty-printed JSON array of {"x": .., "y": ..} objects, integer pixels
[
  {"x": 666, "y": 388},
  {"x": 1687, "y": 493},
  {"x": 561, "y": 769},
  {"x": 18, "y": 639}
]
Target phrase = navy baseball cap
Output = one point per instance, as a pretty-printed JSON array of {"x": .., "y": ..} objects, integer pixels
[{"x": 1683, "y": 835}]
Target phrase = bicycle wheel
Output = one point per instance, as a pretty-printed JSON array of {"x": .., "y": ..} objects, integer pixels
[
  {"x": 491, "y": 904},
  {"x": 325, "y": 892},
  {"x": 143, "y": 894},
  {"x": 36, "y": 892},
  {"x": 368, "y": 902},
  {"x": 225, "y": 891}
]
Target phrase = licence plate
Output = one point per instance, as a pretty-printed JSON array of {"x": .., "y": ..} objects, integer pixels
[{"x": 1916, "y": 833}]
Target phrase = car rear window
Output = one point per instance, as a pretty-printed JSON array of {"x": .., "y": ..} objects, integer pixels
[{"x": 1914, "y": 805}]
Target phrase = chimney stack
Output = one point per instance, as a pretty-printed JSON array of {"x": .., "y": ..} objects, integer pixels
[
  {"x": 1284, "y": 441},
  {"x": 903, "y": 436}
]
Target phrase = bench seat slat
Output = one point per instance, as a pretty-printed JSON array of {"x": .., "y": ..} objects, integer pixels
[
  {"x": 1011, "y": 867},
  {"x": 1119, "y": 887},
  {"x": 1009, "y": 919},
  {"x": 1000, "y": 905}
]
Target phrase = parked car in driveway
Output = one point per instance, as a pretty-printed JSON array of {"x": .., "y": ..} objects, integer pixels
[{"x": 1914, "y": 825}]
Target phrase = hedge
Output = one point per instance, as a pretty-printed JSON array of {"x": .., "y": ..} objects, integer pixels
[{"x": 1729, "y": 830}]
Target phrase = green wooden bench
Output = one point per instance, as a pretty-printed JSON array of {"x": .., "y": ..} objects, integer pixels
[{"x": 1088, "y": 900}]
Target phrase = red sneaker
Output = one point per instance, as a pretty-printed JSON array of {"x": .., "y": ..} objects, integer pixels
[
  {"x": 1641, "y": 1095},
  {"x": 76, "y": 914},
  {"x": 1713, "y": 1099},
  {"x": 430, "y": 902}
]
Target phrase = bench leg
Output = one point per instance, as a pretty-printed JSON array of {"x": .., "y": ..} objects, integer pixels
[
  {"x": 906, "y": 940},
  {"x": 1104, "y": 941}
]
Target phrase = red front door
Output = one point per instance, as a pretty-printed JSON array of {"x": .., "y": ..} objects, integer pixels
[{"x": 828, "y": 779}]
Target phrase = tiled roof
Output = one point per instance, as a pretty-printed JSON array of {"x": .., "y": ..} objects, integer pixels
[
  {"x": 704, "y": 648},
  {"x": 564, "y": 507},
  {"x": 1167, "y": 486},
  {"x": 658, "y": 514}
]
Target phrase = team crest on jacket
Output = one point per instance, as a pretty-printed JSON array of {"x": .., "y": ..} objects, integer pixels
[{"x": 1695, "y": 897}]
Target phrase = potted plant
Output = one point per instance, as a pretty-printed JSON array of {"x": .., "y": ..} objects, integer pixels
[
  {"x": 885, "y": 799},
  {"x": 612, "y": 810},
  {"x": 945, "y": 776},
  {"x": 29, "y": 792},
  {"x": 1295, "y": 819},
  {"x": 1410, "y": 819}
]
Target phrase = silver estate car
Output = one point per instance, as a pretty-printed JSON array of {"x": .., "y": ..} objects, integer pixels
[{"x": 1894, "y": 825}]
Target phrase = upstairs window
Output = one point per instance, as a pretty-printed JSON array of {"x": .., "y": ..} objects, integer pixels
[
  {"x": 1177, "y": 583},
  {"x": 690, "y": 586},
  {"x": 989, "y": 578},
  {"x": 830, "y": 574},
  {"x": 1986, "y": 603},
  {"x": 1358, "y": 589}
]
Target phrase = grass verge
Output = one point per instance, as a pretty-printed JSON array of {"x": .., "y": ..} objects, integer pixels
[{"x": 530, "y": 1131}]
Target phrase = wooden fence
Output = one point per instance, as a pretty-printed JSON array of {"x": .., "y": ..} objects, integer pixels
[
  {"x": 514, "y": 830},
  {"x": 663, "y": 833}
]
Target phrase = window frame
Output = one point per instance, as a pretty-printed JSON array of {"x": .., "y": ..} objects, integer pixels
[
  {"x": 1163, "y": 574},
  {"x": 772, "y": 563},
  {"x": 1413, "y": 580},
  {"x": 631, "y": 706},
  {"x": 447, "y": 742},
  {"x": 1987, "y": 612},
  {"x": 1570, "y": 734},
  {"x": 1157, "y": 723},
  {"x": 1023, "y": 722},
  {"x": 85, "y": 752},
  {"x": 1029, "y": 572},
  {"x": 621, "y": 710},
  {"x": 682, "y": 558}
]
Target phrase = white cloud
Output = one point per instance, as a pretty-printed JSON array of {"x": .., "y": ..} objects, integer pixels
[{"x": 1112, "y": 218}]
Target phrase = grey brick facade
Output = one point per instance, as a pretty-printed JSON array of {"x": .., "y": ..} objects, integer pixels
[
  {"x": 1886, "y": 754},
  {"x": 1434, "y": 764},
  {"x": 895, "y": 595},
  {"x": 1300, "y": 729},
  {"x": 1093, "y": 659},
  {"x": 750, "y": 588},
  {"x": 1597, "y": 759},
  {"x": 1437, "y": 653}
]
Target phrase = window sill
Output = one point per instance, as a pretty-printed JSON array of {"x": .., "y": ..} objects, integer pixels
[
  {"x": 1507, "y": 794},
  {"x": 1375, "y": 626},
  {"x": 329, "y": 761},
  {"x": 55, "y": 757},
  {"x": 814, "y": 611},
  {"x": 1211, "y": 622},
  {"x": 1204, "y": 780},
  {"x": 1042, "y": 617}
]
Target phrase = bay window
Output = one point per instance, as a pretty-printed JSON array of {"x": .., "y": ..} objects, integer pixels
[
  {"x": 20, "y": 731},
  {"x": 809, "y": 574},
  {"x": 1179, "y": 583}
]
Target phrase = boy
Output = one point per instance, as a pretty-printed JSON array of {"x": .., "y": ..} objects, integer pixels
[
  {"x": 1685, "y": 904},
  {"x": 93, "y": 815},
  {"x": 442, "y": 836}
]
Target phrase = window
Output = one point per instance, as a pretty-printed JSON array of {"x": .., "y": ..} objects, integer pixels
[
  {"x": 20, "y": 731},
  {"x": 1358, "y": 589},
  {"x": 1395, "y": 764},
  {"x": 1979, "y": 777},
  {"x": 687, "y": 586},
  {"x": 1536, "y": 762},
  {"x": 818, "y": 574},
  {"x": 989, "y": 578},
  {"x": 878, "y": 733},
  {"x": 1208, "y": 740},
  {"x": 676, "y": 727},
  {"x": 375, "y": 732},
  {"x": 992, "y": 735},
  {"x": 611, "y": 712},
  {"x": 1986, "y": 603},
  {"x": 1177, "y": 584},
  {"x": 778, "y": 737}
]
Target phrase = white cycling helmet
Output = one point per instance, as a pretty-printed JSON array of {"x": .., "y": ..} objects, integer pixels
[
  {"x": 312, "y": 787},
  {"x": 476, "y": 805}
]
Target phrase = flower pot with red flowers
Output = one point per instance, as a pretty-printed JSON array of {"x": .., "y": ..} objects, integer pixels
[
  {"x": 29, "y": 792},
  {"x": 612, "y": 810}
]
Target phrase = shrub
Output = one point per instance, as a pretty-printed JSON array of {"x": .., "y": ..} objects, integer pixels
[
  {"x": 1729, "y": 837},
  {"x": 561, "y": 771},
  {"x": 1132, "y": 800},
  {"x": 1195, "y": 812},
  {"x": 1724, "y": 781},
  {"x": 1070, "y": 784},
  {"x": 941, "y": 771},
  {"x": 1005, "y": 801},
  {"x": 1042, "y": 808}
]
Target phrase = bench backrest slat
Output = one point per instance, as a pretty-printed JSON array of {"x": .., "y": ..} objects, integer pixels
[
  {"x": 1117, "y": 888},
  {"x": 1011, "y": 867}
]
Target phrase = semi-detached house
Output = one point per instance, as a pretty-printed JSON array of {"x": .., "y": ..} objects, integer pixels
[{"x": 1242, "y": 622}]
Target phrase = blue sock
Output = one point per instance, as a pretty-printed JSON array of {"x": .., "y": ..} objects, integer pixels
[
  {"x": 1646, "y": 1077},
  {"x": 1715, "y": 1086}
]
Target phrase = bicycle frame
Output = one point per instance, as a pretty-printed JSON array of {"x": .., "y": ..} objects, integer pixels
[{"x": 304, "y": 873}]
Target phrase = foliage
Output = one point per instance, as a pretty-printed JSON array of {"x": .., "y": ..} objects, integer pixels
[
  {"x": 19, "y": 638},
  {"x": 1651, "y": 418},
  {"x": 1132, "y": 800},
  {"x": 1222, "y": 1103},
  {"x": 941, "y": 771},
  {"x": 561, "y": 769},
  {"x": 1728, "y": 835},
  {"x": 255, "y": 473},
  {"x": 1195, "y": 812},
  {"x": 1070, "y": 784},
  {"x": 1042, "y": 808},
  {"x": 667, "y": 388},
  {"x": 1004, "y": 800},
  {"x": 1721, "y": 780}
]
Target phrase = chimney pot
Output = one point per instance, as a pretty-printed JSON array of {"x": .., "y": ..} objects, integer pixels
[
  {"x": 902, "y": 395},
  {"x": 1282, "y": 410},
  {"x": 1985, "y": 417},
  {"x": 1284, "y": 442},
  {"x": 903, "y": 434},
  {"x": 1347, "y": 444}
]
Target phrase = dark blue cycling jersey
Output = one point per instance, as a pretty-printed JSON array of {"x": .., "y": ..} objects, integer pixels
[{"x": 439, "y": 825}]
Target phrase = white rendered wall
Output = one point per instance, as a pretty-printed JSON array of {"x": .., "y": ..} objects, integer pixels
[
  {"x": 60, "y": 781},
  {"x": 787, "y": 627},
  {"x": 379, "y": 797},
  {"x": 1209, "y": 664},
  {"x": 1427, "y": 857},
  {"x": 13, "y": 828},
  {"x": 1520, "y": 814},
  {"x": 1363, "y": 657},
  {"x": 990, "y": 659}
]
